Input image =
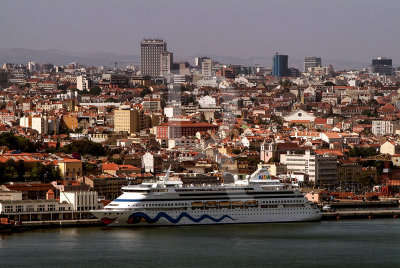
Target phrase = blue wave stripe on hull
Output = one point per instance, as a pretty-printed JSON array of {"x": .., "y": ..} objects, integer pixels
[{"x": 138, "y": 216}]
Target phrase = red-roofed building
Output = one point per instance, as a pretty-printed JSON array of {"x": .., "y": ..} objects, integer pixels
[
  {"x": 178, "y": 129},
  {"x": 388, "y": 108},
  {"x": 28, "y": 159},
  {"x": 114, "y": 169}
]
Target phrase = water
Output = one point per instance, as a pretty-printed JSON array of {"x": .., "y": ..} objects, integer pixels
[{"x": 356, "y": 243}]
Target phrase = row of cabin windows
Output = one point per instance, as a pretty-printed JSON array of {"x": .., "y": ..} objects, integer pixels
[
  {"x": 184, "y": 204},
  {"x": 162, "y": 205},
  {"x": 282, "y": 202}
]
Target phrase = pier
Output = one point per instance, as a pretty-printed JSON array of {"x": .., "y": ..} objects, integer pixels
[
  {"x": 62, "y": 223},
  {"x": 29, "y": 225},
  {"x": 361, "y": 214}
]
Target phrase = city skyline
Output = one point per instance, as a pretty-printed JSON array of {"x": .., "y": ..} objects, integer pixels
[{"x": 237, "y": 29}]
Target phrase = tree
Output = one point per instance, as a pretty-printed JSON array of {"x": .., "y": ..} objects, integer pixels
[
  {"x": 329, "y": 84},
  {"x": 20, "y": 167},
  {"x": 20, "y": 143},
  {"x": 366, "y": 112},
  {"x": 62, "y": 87},
  {"x": 95, "y": 91},
  {"x": 45, "y": 173},
  {"x": 362, "y": 152},
  {"x": 367, "y": 178},
  {"x": 116, "y": 161},
  {"x": 145, "y": 92},
  {"x": 84, "y": 147},
  {"x": 277, "y": 119},
  {"x": 10, "y": 171},
  {"x": 89, "y": 168},
  {"x": 111, "y": 99}
]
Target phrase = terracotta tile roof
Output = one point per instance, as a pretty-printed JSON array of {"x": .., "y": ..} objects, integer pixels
[{"x": 332, "y": 135}]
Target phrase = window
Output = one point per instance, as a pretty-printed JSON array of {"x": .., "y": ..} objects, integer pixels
[{"x": 8, "y": 208}]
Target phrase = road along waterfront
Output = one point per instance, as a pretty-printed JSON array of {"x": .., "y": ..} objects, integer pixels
[{"x": 331, "y": 243}]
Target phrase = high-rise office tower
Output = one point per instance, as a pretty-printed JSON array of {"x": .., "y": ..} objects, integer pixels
[
  {"x": 33, "y": 66},
  {"x": 151, "y": 50},
  {"x": 3, "y": 78},
  {"x": 311, "y": 62},
  {"x": 280, "y": 65},
  {"x": 198, "y": 61},
  {"x": 166, "y": 62},
  {"x": 206, "y": 67},
  {"x": 382, "y": 65}
]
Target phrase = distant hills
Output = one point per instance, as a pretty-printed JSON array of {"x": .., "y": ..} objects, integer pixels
[
  {"x": 60, "y": 57},
  {"x": 293, "y": 62}
]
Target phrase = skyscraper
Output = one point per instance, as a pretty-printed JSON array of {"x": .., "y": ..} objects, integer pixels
[
  {"x": 3, "y": 78},
  {"x": 280, "y": 65},
  {"x": 151, "y": 50},
  {"x": 198, "y": 61},
  {"x": 206, "y": 67},
  {"x": 166, "y": 62},
  {"x": 382, "y": 65},
  {"x": 311, "y": 62}
]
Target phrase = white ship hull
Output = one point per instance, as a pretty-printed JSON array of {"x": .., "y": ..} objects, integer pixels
[
  {"x": 167, "y": 203},
  {"x": 206, "y": 216}
]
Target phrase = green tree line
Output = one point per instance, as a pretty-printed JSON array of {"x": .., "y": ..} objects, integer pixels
[
  {"x": 20, "y": 171},
  {"x": 14, "y": 142}
]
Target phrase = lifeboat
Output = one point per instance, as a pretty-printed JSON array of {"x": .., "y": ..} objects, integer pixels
[
  {"x": 211, "y": 204},
  {"x": 251, "y": 203},
  {"x": 237, "y": 204},
  {"x": 224, "y": 204},
  {"x": 197, "y": 204}
]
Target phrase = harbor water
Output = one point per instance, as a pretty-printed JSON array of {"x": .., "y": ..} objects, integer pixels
[{"x": 356, "y": 243}]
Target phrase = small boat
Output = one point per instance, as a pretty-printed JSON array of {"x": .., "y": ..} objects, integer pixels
[
  {"x": 224, "y": 204},
  {"x": 237, "y": 204},
  {"x": 197, "y": 205},
  {"x": 211, "y": 204},
  {"x": 251, "y": 203}
]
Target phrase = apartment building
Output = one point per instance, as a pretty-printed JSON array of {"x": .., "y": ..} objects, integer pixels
[
  {"x": 322, "y": 169},
  {"x": 384, "y": 127},
  {"x": 129, "y": 120}
]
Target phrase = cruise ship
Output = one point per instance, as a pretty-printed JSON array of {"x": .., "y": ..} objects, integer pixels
[{"x": 167, "y": 202}]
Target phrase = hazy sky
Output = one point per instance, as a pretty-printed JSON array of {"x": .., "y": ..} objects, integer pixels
[{"x": 355, "y": 30}]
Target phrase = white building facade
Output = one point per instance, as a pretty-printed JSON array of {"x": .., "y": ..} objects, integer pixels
[
  {"x": 322, "y": 169},
  {"x": 81, "y": 201}
]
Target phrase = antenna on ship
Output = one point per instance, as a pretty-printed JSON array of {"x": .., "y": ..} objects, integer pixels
[{"x": 167, "y": 174}]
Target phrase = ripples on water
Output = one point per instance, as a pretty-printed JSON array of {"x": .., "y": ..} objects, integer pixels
[{"x": 329, "y": 243}]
